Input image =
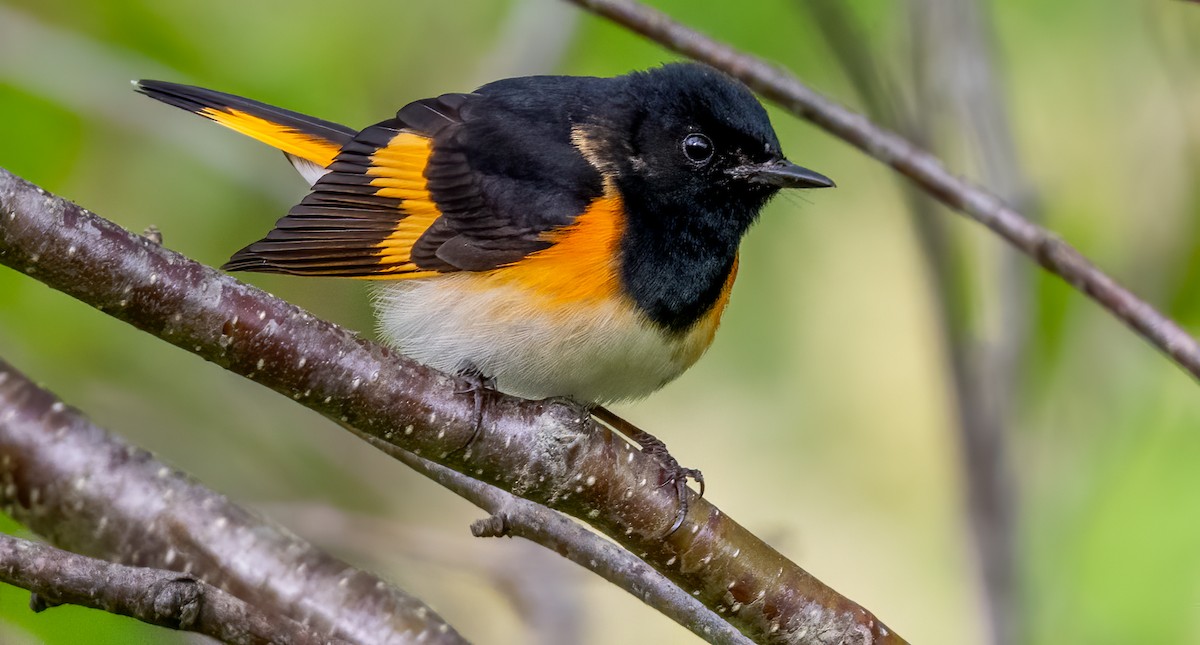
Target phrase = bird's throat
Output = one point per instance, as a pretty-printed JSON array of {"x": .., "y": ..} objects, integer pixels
[{"x": 677, "y": 277}]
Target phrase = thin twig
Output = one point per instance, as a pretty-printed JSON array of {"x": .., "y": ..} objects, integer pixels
[
  {"x": 154, "y": 596},
  {"x": 511, "y": 515},
  {"x": 982, "y": 373},
  {"x": 542, "y": 591},
  {"x": 956, "y": 76},
  {"x": 550, "y": 452},
  {"x": 89, "y": 492},
  {"x": 924, "y": 169}
]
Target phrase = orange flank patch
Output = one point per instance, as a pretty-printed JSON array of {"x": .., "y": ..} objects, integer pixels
[
  {"x": 707, "y": 325},
  {"x": 582, "y": 263},
  {"x": 314, "y": 149},
  {"x": 398, "y": 171},
  {"x": 699, "y": 337}
]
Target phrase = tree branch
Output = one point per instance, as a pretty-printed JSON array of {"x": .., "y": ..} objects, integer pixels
[
  {"x": 549, "y": 452},
  {"x": 925, "y": 170},
  {"x": 87, "y": 491},
  {"x": 513, "y": 516},
  {"x": 154, "y": 596}
]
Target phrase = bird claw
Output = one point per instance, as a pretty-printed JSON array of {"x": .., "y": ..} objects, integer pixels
[
  {"x": 676, "y": 475},
  {"x": 680, "y": 476},
  {"x": 478, "y": 385}
]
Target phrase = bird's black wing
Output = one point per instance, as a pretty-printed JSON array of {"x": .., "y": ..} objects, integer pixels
[{"x": 461, "y": 182}]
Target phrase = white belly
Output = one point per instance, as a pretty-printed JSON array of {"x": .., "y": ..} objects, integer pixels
[{"x": 591, "y": 351}]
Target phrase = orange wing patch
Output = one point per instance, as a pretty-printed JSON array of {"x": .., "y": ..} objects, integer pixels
[
  {"x": 366, "y": 215},
  {"x": 363, "y": 216},
  {"x": 398, "y": 172},
  {"x": 315, "y": 149}
]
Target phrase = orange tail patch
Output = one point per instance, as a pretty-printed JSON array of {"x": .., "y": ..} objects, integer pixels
[
  {"x": 303, "y": 136},
  {"x": 306, "y": 146}
]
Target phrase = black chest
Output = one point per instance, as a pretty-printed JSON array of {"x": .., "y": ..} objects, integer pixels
[{"x": 675, "y": 265}]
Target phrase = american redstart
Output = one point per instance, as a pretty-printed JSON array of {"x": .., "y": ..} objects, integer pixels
[{"x": 565, "y": 236}]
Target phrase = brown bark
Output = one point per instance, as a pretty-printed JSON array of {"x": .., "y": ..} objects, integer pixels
[
  {"x": 87, "y": 491},
  {"x": 154, "y": 596}
]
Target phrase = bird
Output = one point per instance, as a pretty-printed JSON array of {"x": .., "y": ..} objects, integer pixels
[{"x": 548, "y": 236}]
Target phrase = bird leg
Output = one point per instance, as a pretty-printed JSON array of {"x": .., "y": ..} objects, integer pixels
[
  {"x": 478, "y": 385},
  {"x": 677, "y": 475}
]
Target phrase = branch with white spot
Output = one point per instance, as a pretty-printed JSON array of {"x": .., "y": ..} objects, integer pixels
[
  {"x": 155, "y": 596},
  {"x": 549, "y": 452},
  {"x": 513, "y": 516},
  {"x": 87, "y": 491}
]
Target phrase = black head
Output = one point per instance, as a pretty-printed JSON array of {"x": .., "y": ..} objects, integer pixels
[
  {"x": 688, "y": 150},
  {"x": 700, "y": 138},
  {"x": 695, "y": 159}
]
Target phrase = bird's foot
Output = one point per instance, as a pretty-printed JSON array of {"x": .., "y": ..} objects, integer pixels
[
  {"x": 677, "y": 475},
  {"x": 475, "y": 383}
]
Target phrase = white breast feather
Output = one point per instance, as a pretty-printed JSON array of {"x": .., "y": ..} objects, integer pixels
[{"x": 594, "y": 352}]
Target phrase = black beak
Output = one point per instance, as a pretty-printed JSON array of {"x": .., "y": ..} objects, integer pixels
[{"x": 784, "y": 174}]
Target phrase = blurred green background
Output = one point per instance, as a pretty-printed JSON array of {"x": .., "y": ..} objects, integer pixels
[{"x": 822, "y": 418}]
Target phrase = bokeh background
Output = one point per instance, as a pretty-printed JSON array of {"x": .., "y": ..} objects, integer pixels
[{"x": 825, "y": 417}]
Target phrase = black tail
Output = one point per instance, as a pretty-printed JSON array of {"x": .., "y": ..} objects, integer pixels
[{"x": 298, "y": 134}]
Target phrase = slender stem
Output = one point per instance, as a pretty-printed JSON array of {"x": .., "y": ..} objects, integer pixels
[
  {"x": 956, "y": 77},
  {"x": 945, "y": 33}
]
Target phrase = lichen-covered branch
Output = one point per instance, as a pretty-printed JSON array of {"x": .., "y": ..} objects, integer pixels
[
  {"x": 549, "y": 452},
  {"x": 89, "y": 492},
  {"x": 154, "y": 596},
  {"x": 925, "y": 170}
]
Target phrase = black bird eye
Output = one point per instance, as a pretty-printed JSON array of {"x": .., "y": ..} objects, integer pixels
[{"x": 697, "y": 147}]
